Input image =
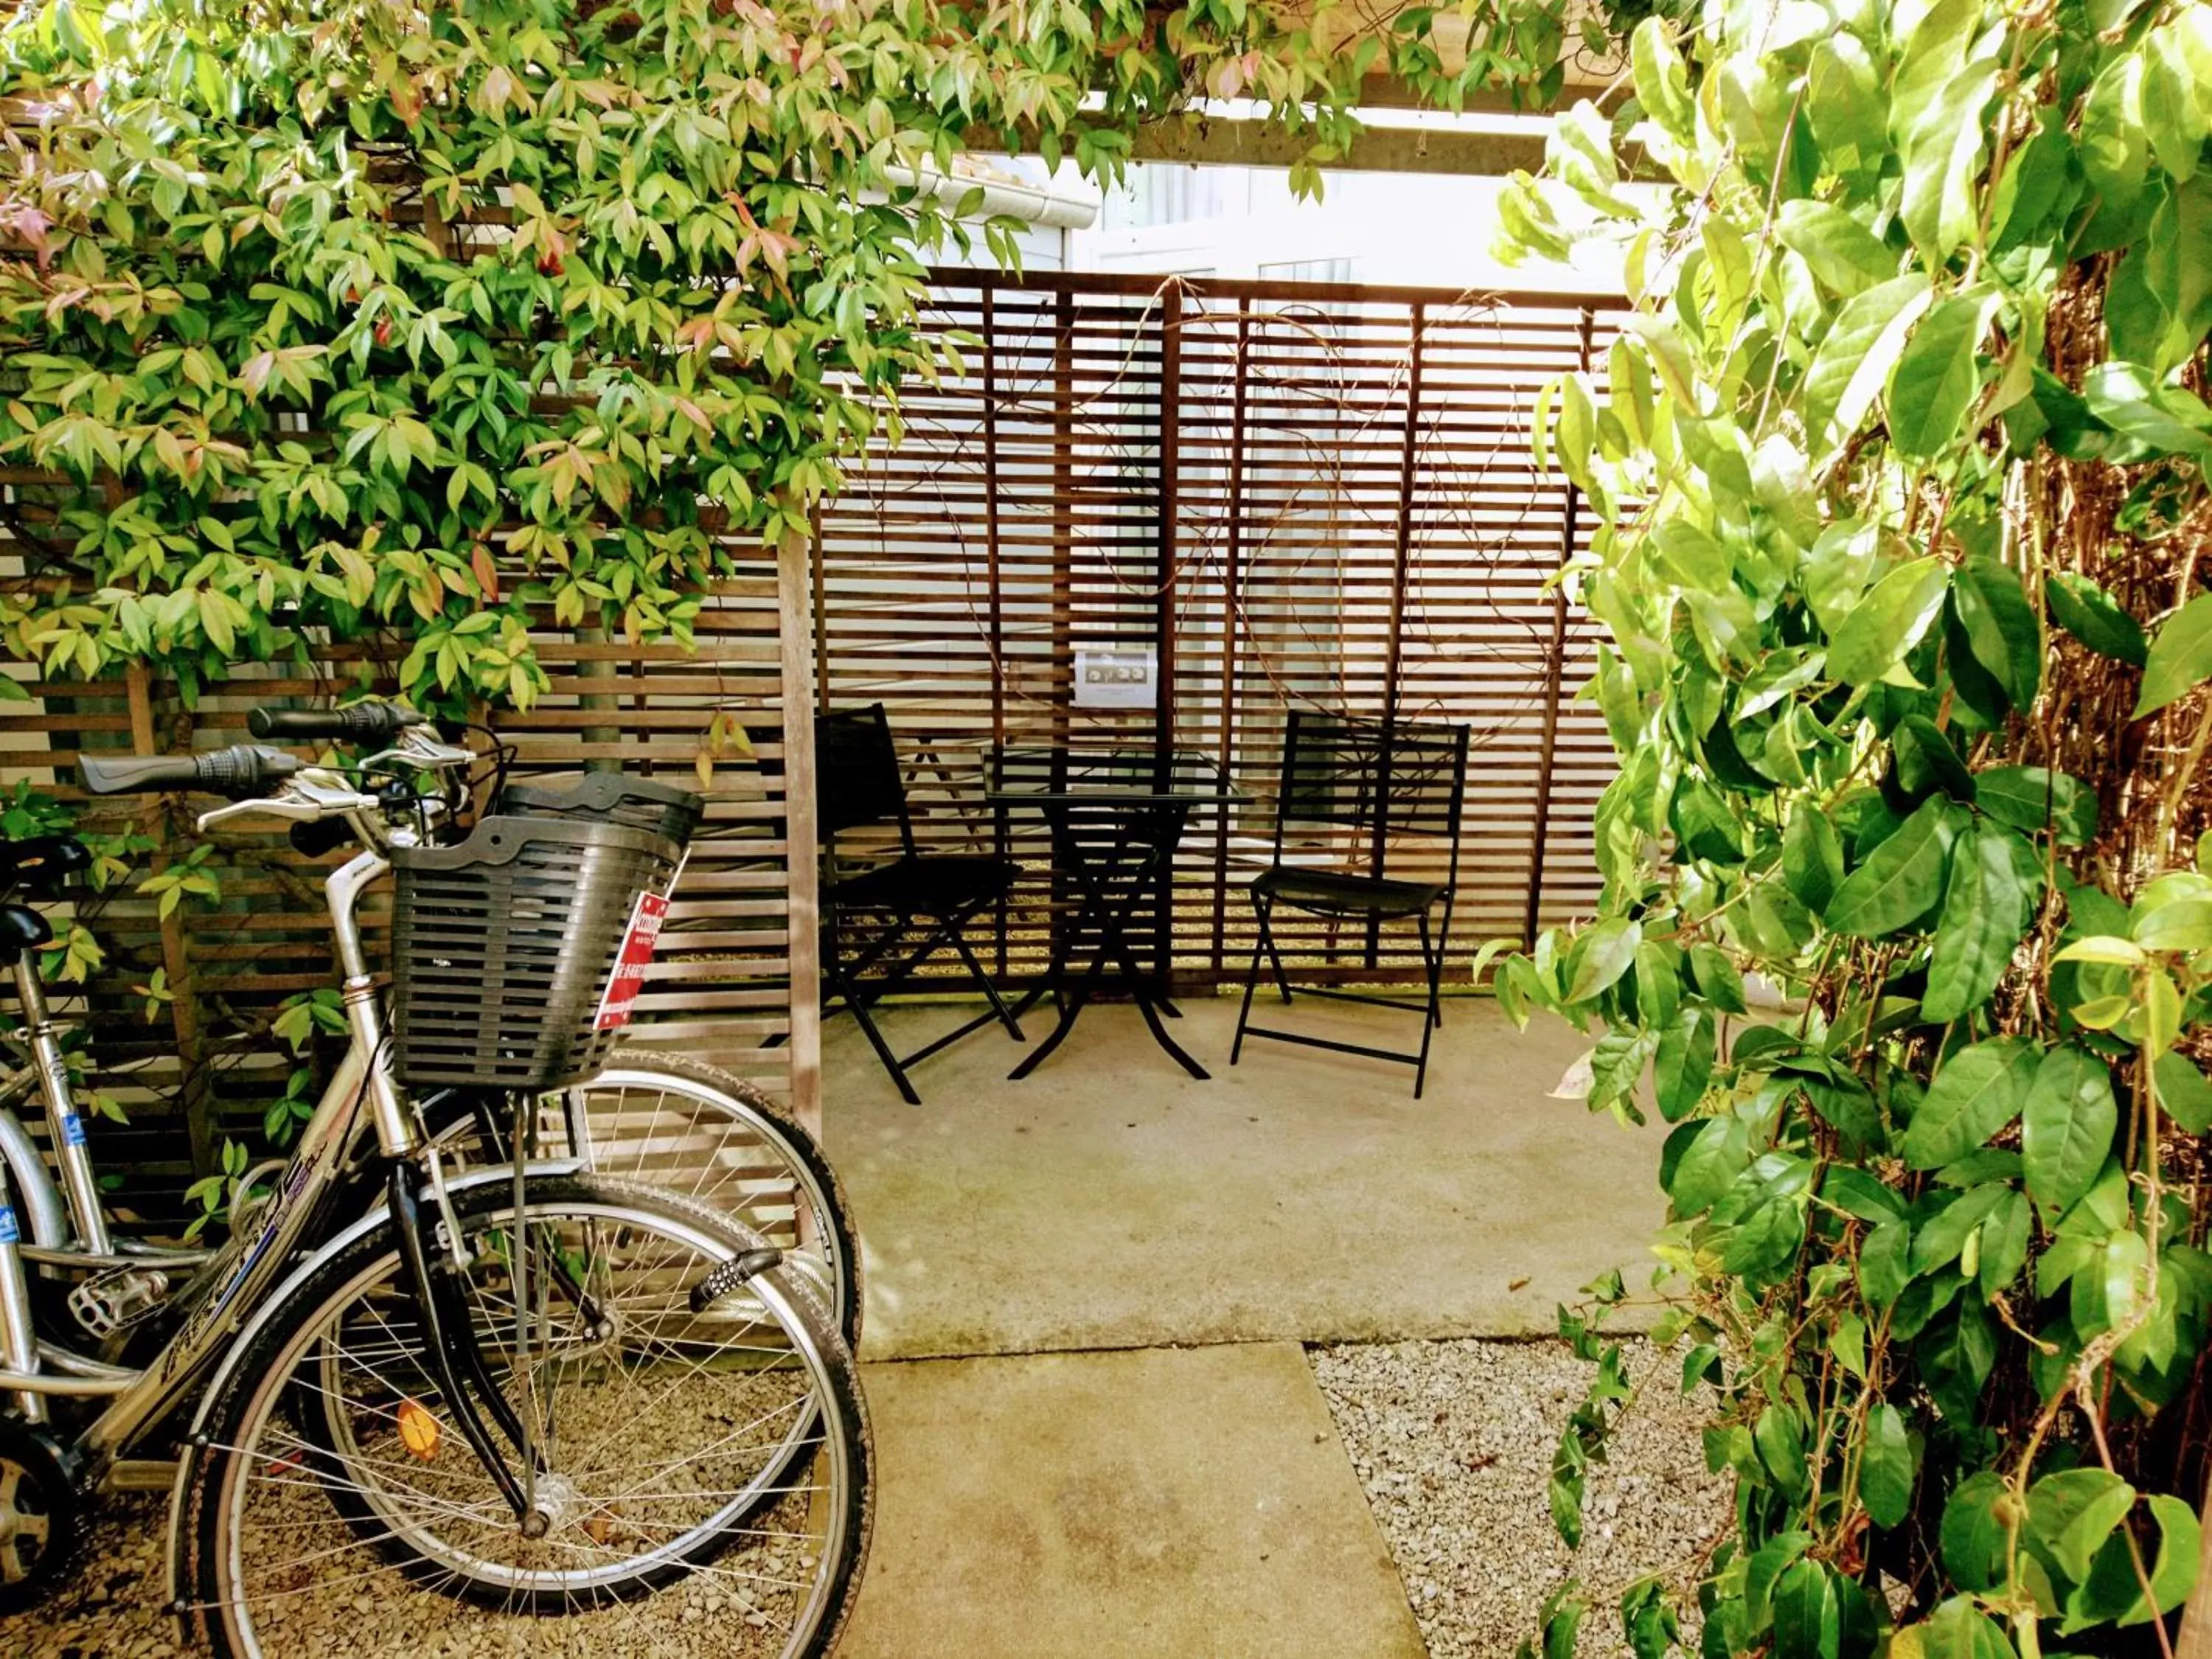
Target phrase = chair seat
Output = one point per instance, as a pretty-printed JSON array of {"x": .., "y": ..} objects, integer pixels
[
  {"x": 1339, "y": 893},
  {"x": 926, "y": 885}
]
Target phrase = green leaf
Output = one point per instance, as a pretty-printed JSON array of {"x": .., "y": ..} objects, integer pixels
[
  {"x": 1708, "y": 1166},
  {"x": 1684, "y": 1065},
  {"x": 2001, "y": 627},
  {"x": 1926, "y": 762},
  {"x": 1847, "y": 1106},
  {"x": 2184, "y": 1092},
  {"x": 2180, "y": 1540},
  {"x": 1942, "y": 163},
  {"x": 1808, "y": 1615},
  {"x": 2174, "y": 90},
  {"x": 1986, "y": 908},
  {"x": 1780, "y": 1438},
  {"x": 2165, "y": 419},
  {"x": 1662, "y": 80},
  {"x": 2180, "y": 657},
  {"x": 2070, "y": 1514},
  {"x": 1718, "y": 982},
  {"x": 2067, "y": 1125},
  {"x": 2112, "y": 144},
  {"x": 1886, "y": 1466},
  {"x": 1889, "y": 621},
  {"x": 1601, "y": 955},
  {"x": 1937, "y": 379},
  {"x": 1900, "y": 883},
  {"x": 1978, "y": 1092},
  {"x": 1812, "y": 857},
  {"x": 1842, "y": 252},
  {"x": 1844, "y": 98},
  {"x": 1885, "y": 1263},
  {"x": 1956, "y": 1630},
  {"x": 1947, "y": 1233},
  {"x": 2184, "y": 924},
  {"x": 1853, "y": 361},
  {"x": 1974, "y": 1541},
  {"x": 2032, "y": 799}
]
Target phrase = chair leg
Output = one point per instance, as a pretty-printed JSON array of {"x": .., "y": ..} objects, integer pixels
[
  {"x": 1432, "y": 960},
  {"x": 1275, "y": 956},
  {"x": 842, "y": 986},
  {"x": 997, "y": 1003},
  {"x": 1251, "y": 979}
]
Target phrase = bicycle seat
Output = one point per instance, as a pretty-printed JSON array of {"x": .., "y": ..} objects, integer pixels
[
  {"x": 23, "y": 928},
  {"x": 40, "y": 863}
]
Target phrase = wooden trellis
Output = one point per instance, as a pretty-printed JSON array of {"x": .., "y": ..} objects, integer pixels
[{"x": 1288, "y": 492}]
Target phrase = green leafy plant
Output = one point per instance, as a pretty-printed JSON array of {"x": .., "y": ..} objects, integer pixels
[
  {"x": 1899, "y": 475},
  {"x": 441, "y": 325}
]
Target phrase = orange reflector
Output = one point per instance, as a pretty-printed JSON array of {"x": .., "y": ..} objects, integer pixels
[{"x": 418, "y": 1430}]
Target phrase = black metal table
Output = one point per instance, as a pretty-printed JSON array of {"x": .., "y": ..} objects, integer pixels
[{"x": 1116, "y": 817}]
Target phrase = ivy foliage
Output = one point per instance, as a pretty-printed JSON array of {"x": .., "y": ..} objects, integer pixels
[
  {"x": 1900, "y": 467},
  {"x": 447, "y": 321}
]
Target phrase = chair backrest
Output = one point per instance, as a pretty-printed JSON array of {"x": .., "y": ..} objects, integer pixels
[
  {"x": 1384, "y": 778},
  {"x": 856, "y": 774}
]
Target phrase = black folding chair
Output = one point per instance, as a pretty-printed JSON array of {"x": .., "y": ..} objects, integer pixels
[
  {"x": 1367, "y": 782},
  {"x": 932, "y": 895}
]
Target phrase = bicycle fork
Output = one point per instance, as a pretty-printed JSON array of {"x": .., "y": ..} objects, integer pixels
[{"x": 452, "y": 1352}]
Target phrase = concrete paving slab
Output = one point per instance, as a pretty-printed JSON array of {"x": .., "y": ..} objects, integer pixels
[
  {"x": 1109, "y": 1200},
  {"x": 1159, "y": 1503}
]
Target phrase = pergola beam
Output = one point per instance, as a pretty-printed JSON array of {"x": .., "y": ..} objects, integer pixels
[{"x": 1378, "y": 150}]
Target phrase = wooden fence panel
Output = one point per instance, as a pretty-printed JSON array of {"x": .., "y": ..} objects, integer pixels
[{"x": 1290, "y": 492}]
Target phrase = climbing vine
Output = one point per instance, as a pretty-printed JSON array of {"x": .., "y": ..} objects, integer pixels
[{"x": 1902, "y": 549}]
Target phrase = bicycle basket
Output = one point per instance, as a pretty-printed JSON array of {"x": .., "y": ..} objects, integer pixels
[
  {"x": 503, "y": 945},
  {"x": 610, "y": 797}
]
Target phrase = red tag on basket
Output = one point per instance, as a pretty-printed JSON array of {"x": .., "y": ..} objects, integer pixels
[{"x": 628, "y": 976}]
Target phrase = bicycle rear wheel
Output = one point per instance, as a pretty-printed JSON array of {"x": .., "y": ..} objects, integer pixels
[
  {"x": 721, "y": 1456},
  {"x": 697, "y": 1129}
]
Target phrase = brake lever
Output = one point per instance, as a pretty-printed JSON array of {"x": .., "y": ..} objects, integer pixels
[
  {"x": 423, "y": 752},
  {"x": 304, "y": 801}
]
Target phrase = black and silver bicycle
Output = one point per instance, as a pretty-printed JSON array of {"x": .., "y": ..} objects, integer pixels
[{"x": 531, "y": 1387}]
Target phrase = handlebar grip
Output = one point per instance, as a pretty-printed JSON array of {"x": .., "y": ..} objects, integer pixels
[
  {"x": 373, "y": 721},
  {"x": 240, "y": 771}
]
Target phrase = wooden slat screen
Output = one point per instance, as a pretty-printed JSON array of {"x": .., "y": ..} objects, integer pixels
[{"x": 1290, "y": 491}]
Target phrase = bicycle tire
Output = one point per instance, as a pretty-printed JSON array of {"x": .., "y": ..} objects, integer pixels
[{"x": 223, "y": 1456}]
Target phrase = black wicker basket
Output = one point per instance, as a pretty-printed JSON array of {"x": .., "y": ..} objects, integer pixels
[
  {"x": 608, "y": 798},
  {"x": 501, "y": 947}
]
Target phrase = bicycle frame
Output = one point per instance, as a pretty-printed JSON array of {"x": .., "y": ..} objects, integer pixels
[{"x": 237, "y": 1277}]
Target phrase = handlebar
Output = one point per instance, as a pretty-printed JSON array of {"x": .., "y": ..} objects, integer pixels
[
  {"x": 373, "y": 721},
  {"x": 240, "y": 771}
]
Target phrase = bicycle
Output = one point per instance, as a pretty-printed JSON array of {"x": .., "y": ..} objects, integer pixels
[
  {"x": 378, "y": 1391},
  {"x": 666, "y": 1119}
]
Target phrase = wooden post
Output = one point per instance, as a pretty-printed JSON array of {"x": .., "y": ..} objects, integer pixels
[
  {"x": 803, "y": 907},
  {"x": 176, "y": 964}
]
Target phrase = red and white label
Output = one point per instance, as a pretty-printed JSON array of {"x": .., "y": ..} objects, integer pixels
[{"x": 636, "y": 955}]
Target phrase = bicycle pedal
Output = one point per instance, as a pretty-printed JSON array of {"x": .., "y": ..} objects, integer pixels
[{"x": 119, "y": 1298}]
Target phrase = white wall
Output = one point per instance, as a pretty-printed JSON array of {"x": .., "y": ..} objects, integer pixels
[{"x": 1172, "y": 218}]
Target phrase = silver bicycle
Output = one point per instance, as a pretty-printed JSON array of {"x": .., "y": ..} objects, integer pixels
[{"x": 504, "y": 1391}]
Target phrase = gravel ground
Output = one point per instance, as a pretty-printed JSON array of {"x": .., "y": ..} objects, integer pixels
[
  {"x": 1453, "y": 1442},
  {"x": 113, "y": 1610}
]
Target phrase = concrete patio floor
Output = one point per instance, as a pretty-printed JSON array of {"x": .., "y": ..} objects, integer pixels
[
  {"x": 1095, "y": 1505},
  {"x": 1109, "y": 1200},
  {"x": 1096, "y": 1432}
]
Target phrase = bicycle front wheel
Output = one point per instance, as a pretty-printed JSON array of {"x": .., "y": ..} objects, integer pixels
[{"x": 719, "y": 1456}]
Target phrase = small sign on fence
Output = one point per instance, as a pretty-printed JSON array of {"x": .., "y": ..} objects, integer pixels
[{"x": 1116, "y": 680}]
